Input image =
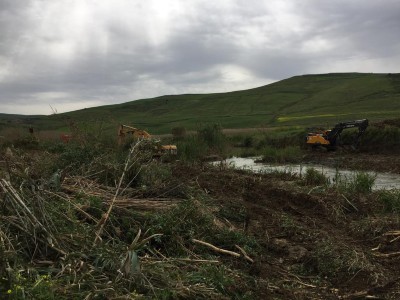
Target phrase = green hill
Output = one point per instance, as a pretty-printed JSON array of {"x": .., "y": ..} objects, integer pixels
[{"x": 300, "y": 100}]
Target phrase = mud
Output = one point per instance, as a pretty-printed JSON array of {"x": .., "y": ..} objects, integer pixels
[{"x": 314, "y": 246}]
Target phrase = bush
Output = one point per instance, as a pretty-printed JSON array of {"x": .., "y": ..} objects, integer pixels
[
  {"x": 214, "y": 138},
  {"x": 192, "y": 148},
  {"x": 209, "y": 141}
]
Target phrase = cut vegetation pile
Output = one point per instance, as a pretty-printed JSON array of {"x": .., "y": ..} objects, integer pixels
[{"x": 78, "y": 234}]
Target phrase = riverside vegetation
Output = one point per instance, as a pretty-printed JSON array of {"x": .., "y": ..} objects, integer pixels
[{"x": 88, "y": 220}]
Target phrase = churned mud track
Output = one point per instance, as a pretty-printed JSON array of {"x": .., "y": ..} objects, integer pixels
[{"x": 314, "y": 246}]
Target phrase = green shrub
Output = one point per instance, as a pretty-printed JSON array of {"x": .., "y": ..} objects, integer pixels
[
  {"x": 209, "y": 141},
  {"x": 214, "y": 138},
  {"x": 191, "y": 149}
]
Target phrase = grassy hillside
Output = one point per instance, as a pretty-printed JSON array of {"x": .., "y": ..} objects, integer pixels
[{"x": 301, "y": 100}]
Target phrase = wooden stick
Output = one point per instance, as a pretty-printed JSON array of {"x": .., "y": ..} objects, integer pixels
[
  {"x": 348, "y": 201},
  {"x": 394, "y": 232},
  {"x": 244, "y": 254},
  {"x": 387, "y": 254},
  {"x": 216, "y": 249},
  {"x": 180, "y": 259}
]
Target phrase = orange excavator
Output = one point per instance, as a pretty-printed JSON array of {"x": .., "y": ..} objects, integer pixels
[
  {"x": 330, "y": 138},
  {"x": 139, "y": 134}
]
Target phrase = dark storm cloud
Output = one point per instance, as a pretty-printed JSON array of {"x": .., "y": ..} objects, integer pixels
[{"x": 80, "y": 53}]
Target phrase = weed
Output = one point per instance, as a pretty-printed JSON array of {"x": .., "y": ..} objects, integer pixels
[
  {"x": 155, "y": 175},
  {"x": 359, "y": 182},
  {"x": 390, "y": 200},
  {"x": 232, "y": 213},
  {"x": 362, "y": 182},
  {"x": 218, "y": 277},
  {"x": 314, "y": 177},
  {"x": 289, "y": 225},
  {"x": 284, "y": 155},
  {"x": 332, "y": 259},
  {"x": 188, "y": 220}
]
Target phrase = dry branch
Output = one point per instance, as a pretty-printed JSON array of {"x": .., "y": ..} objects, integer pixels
[
  {"x": 223, "y": 251},
  {"x": 105, "y": 217},
  {"x": 244, "y": 254},
  {"x": 216, "y": 249},
  {"x": 387, "y": 255}
]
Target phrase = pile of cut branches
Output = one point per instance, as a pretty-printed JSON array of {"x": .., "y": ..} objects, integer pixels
[{"x": 74, "y": 237}]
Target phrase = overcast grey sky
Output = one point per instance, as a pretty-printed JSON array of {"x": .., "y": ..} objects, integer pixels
[{"x": 73, "y": 54}]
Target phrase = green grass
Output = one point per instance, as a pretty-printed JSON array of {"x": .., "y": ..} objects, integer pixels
[
  {"x": 308, "y": 100},
  {"x": 314, "y": 177}
]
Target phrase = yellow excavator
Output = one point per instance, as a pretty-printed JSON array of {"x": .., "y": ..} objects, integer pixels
[
  {"x": 330, "y": 138},
  {"x": 125, "y": 131}
]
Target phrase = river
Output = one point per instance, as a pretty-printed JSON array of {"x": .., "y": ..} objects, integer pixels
[{"x": 384, "y": 181}]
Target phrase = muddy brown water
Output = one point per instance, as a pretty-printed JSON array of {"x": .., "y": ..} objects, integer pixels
[{"x": 383, "y": 181}]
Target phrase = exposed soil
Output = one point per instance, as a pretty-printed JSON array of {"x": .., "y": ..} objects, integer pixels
[
  {"x": 360, "y": 161},
  {"x": 314, "y": 245}
]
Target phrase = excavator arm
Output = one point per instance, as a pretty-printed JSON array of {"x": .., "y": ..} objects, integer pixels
[
  {"x": 329, "y": 138},
  {"x": 125, "y": 130},
  {"x": 159, "y": 149},
  {"x": 338, "y": 129}
]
